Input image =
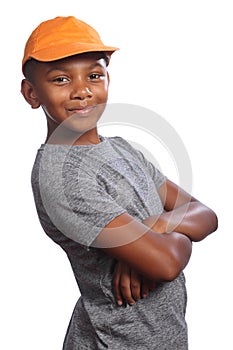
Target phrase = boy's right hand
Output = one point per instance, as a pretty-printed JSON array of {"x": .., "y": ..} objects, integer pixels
[{"x": 129, "y": 286}]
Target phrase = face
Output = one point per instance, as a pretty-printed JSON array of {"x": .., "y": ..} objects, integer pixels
[{"x": 72, "y": 91}]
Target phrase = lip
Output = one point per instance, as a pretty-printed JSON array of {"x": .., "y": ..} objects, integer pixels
[{"x": 81, "y": 110}]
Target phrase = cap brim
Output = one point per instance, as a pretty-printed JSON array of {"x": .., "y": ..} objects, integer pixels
[{"x": 56, "y": 53}]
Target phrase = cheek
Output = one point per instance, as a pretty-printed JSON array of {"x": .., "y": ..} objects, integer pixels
[
  {"x": 53, "y": 100},
  {"x": 102, "y": 94}
]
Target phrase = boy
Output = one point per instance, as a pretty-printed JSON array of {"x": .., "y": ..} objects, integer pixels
[{"x": 124, "y": 227}]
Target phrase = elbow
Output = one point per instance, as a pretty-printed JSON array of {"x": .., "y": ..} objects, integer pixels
[
  {"x": 213, "y": 221},
  {"x": 173, "y": 270},
  {"x": 210, "y": 219},
  {"x": 178, "y": 258},
  {"x": 175, "y": 264},
  {"x": 166, "y": 271},
  {"x": 205, "y": 226}
]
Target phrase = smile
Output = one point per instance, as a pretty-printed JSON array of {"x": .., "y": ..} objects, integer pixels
[{"x": 82, "y": 111}]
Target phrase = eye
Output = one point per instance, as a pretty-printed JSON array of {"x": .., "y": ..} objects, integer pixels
[
  {"x": 96, "y": 76},
  {"x": 60, "y": 80}
]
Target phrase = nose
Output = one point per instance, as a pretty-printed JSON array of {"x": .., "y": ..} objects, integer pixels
[{"x": 80, "y": 91}]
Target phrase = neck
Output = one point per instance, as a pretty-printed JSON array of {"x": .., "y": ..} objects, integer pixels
[
  {"x": 87, "y": 138},
  {"x": 57, "y": 134}
]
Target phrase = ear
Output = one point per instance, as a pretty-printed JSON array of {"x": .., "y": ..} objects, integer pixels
[
  {"x": 29, "y": 93},
  {"x": 108, "y": 78}
]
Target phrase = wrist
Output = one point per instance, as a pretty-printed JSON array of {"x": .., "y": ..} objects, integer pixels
[{"x": 156, "y": 223}]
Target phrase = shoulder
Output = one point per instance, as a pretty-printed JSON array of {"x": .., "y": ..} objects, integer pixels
[{"x": 122, "y": 143}]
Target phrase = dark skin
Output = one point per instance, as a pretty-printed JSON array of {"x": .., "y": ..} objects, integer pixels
[
  {"x": 73, "y": 93},
  {"x": 184, "y": 218}
]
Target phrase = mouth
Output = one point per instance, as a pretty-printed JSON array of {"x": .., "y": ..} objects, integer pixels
[{"x": 81, "y": 111}]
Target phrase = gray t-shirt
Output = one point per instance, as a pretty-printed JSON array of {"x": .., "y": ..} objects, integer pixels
[{"x": 78, "y": 190}]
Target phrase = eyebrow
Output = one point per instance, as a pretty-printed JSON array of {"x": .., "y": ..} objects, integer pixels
[
  {"x": 63, "y": 68},
  {"x": 96, "y": 64}
]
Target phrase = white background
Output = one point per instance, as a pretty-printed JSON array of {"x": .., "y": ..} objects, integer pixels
[{"x": 176, "y": 59}]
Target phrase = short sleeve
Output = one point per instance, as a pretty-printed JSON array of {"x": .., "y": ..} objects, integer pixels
[
  {"x": 78, "y": 206},
  {"x": 83, "y": 189},
  {"x": 157, "y": 176},
  {"x": 91, "y": 208}
]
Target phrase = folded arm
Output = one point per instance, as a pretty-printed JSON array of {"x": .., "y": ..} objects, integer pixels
[
  {"x": 183, "y": 214},
  {"x": 156, "y": 258},
  {"x": 160, "y": 257}
]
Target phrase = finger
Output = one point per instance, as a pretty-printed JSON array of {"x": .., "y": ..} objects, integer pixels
[
  {"x": 125, "y": 286},
  {"x": 144, "y": 288},
  {"x": 116, "y": 286},
  {"x": 135, "y": 285}
]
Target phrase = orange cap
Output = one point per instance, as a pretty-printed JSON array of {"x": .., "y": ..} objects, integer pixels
[{"x": 62, "y": 37}]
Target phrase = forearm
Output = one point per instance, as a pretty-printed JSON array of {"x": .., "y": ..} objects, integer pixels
[
  {"x": 192, "y": 219},
  {"x": 155, "y": 256},
  {"x": 168, "y": 256}
]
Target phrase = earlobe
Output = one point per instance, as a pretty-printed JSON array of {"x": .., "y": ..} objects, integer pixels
[{"x": 29, "y": 93}]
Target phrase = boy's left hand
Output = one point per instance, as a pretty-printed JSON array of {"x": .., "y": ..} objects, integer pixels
[{"x": 129, "y": 286}]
